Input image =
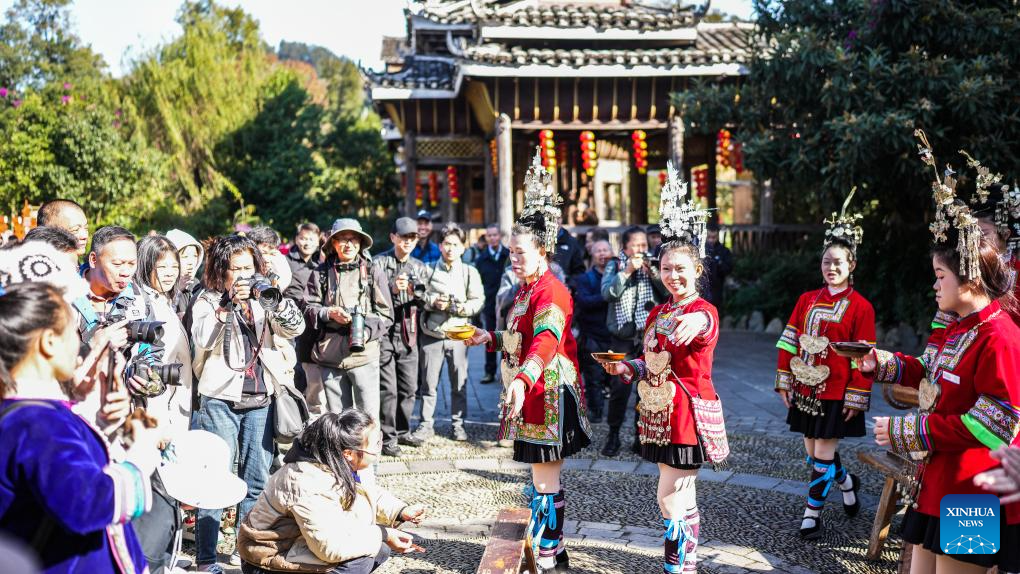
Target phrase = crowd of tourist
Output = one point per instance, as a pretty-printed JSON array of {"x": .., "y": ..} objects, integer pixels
[{"x": 146, "y": 381}]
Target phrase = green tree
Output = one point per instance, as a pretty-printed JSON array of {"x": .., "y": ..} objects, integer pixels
[
  {"x": 191, "y": 94},
  {"x": 63, "y": 147},
  {"x": 38, "y": 48},
  {"x": 832, "y": 100},
  {"x": 272, "y": 159}
]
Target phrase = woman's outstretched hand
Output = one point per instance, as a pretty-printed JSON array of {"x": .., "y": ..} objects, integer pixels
[
  {"x": 691, "y": 325},
  {"x": 480, "y": 337}
]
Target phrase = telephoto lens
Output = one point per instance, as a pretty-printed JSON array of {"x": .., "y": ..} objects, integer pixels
[
  {"x": 263, "y": 291},
  {"x": 145, "y": 331},
  {"x": 357, "y": 330}
]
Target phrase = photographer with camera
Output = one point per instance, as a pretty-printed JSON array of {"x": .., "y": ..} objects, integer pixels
[
  {"x": 632, "y": 287},
  {"x": 398, "y": 362},
  {"x": 239, "y": 367},
  {"x": 112, "y": 298},
  {"x": 454, "y": 294},
  {"x": 350, "y": 306}
]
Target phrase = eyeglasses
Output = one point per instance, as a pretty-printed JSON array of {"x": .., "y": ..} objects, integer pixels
[
  {"x": 347, "y": 240},
  {"x": 377, "y": 452}
]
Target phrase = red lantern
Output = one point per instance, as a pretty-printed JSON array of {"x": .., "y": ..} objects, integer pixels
[
  {"x": 639, "y": 150},
  {"x": 451, "y": 181},
  {"x": 548, "y": 149},
  {"x": 433, "y": 189},
  {"x": 589, "y": 157},
  {"x": 700, "y": 177}
]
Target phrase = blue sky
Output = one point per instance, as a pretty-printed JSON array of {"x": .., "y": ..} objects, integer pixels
[{"x": 122, "y": 30}]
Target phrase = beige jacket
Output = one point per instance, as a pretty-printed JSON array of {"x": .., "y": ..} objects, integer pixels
[
  {"x": 299, "y": 524},
  {"x": 216, "y": 379}
]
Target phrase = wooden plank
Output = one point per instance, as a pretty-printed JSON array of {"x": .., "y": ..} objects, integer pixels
[
  {"x": 883, "y": 517},
  {"x": 908, "y": 553},
  {"x": 505, "y": 550}
]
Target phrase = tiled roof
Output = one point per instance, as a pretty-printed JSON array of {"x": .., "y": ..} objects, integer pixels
[
  {"x": 432, "y": 73},
  {"x": 531, "y": 13},
  {"x": 726, "y": 43}
]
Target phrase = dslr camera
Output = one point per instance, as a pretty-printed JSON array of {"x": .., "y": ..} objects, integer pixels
[
  {"x": 264, "y": 290},
  {"x": 157, "y": 376}
]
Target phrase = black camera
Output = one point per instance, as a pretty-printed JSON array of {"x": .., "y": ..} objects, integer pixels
[
  {"x": 264, "y": 290},
  {"x": 357, "y": 330},
  {"x": 157, "y": 376},
  {"x": 138, "y": 331}
]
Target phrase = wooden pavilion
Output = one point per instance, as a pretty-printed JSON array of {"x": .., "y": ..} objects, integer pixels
[{"x": 476, "y": 85}]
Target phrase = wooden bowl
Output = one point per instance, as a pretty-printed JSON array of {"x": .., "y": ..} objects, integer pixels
[
  {"x": 460, "y": 332},
  {"x": 851, "y": 350},
  {"x": 609, "y": 357}
]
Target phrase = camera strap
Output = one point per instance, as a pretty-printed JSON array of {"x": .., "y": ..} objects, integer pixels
[{"x": 255, "y": 352}]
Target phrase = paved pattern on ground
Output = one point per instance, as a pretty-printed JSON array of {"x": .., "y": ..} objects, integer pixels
[{"x": 750, "y": 509}]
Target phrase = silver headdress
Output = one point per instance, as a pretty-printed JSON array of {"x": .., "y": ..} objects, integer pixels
[
  {"x": 541, "y": 213},
  {"x": 1007, "y": 217},
  {"x": 952, "y": 213},
  {"x": 1005, "y": 202},
  {"x": 845, "y": 227},
  {"x": 681, "y": 222}
]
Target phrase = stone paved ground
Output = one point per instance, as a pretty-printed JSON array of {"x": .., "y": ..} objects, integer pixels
[{"x": 750, "y": 509}]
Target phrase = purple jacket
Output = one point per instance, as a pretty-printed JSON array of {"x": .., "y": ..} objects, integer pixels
[{"x": 57, "y": 477}]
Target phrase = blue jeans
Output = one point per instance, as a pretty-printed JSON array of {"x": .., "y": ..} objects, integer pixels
[{"x": 249, "y": 434}]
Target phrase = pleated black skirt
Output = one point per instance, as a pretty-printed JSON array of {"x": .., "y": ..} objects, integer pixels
[
  {"x": 923, "y": 530},
  {"x": 574, "y": 439},
  {"x": 679, "y": 456},
  {"x": 829, "y": 424}
]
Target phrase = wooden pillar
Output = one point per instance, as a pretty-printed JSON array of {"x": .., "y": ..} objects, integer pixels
[
  {"x": 410, "y": 173},
  {"x": 490, "y": 208},
  {"x": 638, "y": 197},
  {"x": 676, "y": 143},
  {"x": 446, "y": 206},
  {"x": 505, "y": 187}
]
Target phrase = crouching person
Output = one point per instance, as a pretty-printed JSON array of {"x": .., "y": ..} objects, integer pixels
[{"x": 315, "y": 515}]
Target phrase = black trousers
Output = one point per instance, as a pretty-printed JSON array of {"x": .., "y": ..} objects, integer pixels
[
  {"x": 594, "y": 376},
  {"x": 489, "y": 324},
  {"x": 620, "y": 395},
  {"x": 398, "y": 383}
]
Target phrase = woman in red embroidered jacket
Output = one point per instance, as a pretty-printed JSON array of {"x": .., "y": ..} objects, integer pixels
[
  {"x": 543, "y": 401},
  {"x": 676, "y": 365},
  {"x": 970, "y": 405},
  {"x": 825, "y": 393}
]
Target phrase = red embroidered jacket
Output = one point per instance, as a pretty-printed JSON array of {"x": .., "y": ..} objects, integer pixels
[
  {"x": 977, "y": 368},
  {"x": 845, "y": 316},
  {"x": 691, "y": 364},
  {"x": 538, "y": 341}
]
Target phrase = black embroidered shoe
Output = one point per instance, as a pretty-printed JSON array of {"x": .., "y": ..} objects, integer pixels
[
  {"x": 851, "y": 510},
  {"x": 814, "y": 529}
]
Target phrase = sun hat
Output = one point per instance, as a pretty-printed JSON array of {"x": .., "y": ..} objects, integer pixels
[{"x": 196, "y": 471}]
